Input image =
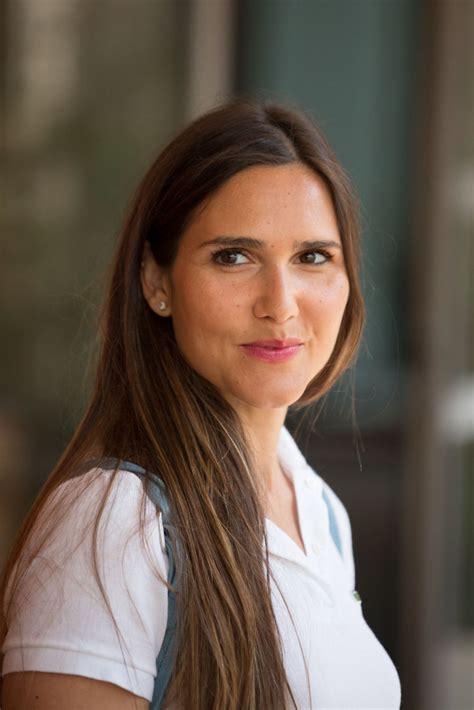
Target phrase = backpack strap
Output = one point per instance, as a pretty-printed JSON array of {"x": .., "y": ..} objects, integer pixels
[
  {"x": 157, "y": 493},
  {"x": 333, "y": 526}
]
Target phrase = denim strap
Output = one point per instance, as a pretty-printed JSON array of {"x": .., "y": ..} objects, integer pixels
[{"x": 165, "y": 659}]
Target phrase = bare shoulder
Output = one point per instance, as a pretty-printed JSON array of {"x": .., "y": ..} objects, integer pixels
[{"x": 56, "y": 691}]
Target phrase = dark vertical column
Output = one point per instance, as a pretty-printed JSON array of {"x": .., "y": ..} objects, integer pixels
[{"x": 438, "y": 503}]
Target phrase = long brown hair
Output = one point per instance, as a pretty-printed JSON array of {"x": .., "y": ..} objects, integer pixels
[{"x": 148, "y": 406}]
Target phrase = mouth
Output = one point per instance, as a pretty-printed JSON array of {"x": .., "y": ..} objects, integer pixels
[
  {"x": 273, "y": 351},
  {"x": 274, "y": 344}
]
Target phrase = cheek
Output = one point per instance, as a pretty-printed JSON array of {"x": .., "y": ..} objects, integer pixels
[
  {"x": 331, "y": 295},
  {"x": 204, "y": 309}
]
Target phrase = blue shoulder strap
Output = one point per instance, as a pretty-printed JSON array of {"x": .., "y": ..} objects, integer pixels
[
  {"x": 333, "y": 527},
  {"x": 165, "y": 658}
]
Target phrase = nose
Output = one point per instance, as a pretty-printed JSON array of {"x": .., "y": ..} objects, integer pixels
[{"x": 276, "y": 297}]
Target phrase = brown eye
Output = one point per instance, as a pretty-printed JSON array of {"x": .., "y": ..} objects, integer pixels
[
  {"x": 228, "y": 257},
  {"x": 324, "y": 254}
]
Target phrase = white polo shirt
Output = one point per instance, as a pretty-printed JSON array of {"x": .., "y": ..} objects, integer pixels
[{"x": 332, "y": 658}]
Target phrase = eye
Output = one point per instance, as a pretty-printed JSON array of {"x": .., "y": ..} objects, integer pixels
[
  {"x": 321, "y": 253},
  {"x": 229, "y": 257}
]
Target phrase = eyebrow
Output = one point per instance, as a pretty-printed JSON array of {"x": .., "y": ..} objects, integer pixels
[{"x": 252, "y": 243}]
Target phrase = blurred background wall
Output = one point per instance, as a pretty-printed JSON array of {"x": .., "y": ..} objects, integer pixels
[{"x": 91, "y": 90}]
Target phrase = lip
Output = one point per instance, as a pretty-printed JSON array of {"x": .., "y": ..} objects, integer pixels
[
  {"x": 273, "y": 350},
  {"x": 288, "y": 342}
]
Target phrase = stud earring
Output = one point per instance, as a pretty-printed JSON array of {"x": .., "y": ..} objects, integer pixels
[{"x": 162, "y": 305}]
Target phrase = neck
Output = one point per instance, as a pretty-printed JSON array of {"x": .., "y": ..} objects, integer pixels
[{"x": 262, "y": 429}]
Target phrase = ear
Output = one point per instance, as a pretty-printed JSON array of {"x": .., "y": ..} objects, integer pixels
[{"x": 156, "y": 283}]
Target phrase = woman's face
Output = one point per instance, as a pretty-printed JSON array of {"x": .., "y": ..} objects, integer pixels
[{"x": 260, "y": 265}]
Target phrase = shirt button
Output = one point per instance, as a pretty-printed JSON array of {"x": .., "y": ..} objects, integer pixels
[
  {"x": 310, "y": 482},
  {"x": 316, "y": 548}
]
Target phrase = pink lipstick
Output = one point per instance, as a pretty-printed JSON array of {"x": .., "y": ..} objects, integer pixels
[{"x": 273, "y": 350}]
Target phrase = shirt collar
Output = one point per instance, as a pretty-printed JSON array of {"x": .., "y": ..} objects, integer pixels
[
  {"x": 294, "y": 463},
  {"x": 312, "y": 509}
]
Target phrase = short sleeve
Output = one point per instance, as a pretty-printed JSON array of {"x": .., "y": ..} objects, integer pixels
[
  {"x": 345, "y": 531},
  {"x": 61, "y": 622}
]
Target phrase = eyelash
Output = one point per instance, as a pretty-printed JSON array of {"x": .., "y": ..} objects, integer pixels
[{"x": 221, "y": 252}]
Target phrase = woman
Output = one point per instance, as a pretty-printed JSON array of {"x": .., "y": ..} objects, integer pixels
[{"x": 234, "y": 294}]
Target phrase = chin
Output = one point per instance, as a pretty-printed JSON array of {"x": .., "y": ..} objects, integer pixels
[{"x": 270, "y": 397}]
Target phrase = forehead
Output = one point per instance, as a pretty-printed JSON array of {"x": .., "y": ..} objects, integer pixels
[{"x": 271, "y": 203}]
